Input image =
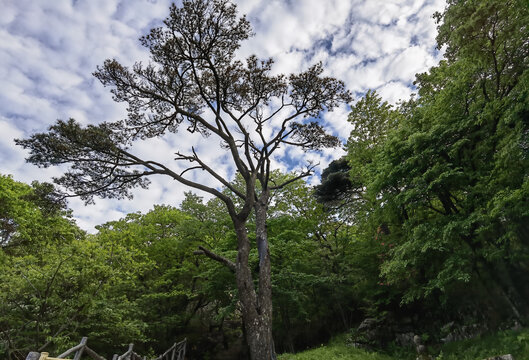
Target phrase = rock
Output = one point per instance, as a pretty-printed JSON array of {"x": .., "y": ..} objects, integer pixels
[
  {"x": 370, "y": 333},
  {"x": 455, "y": 333},
  {"x": 501, "y": 357},
  {"x": 447, "y": 327},
  {"x": 367, "y": 324},
  {"x": 516, "y": 326},
  {"x": 422, "y": 352},
  {"x": 419, "y": 346},
  {"x": 404, "y": 339}
]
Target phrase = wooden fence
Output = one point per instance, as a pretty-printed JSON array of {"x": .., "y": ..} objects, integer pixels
[{"x": 175, "y": 352}]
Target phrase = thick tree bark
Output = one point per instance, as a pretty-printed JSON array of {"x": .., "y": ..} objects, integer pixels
[
  {"x": 265, "y": 281},
  {"x": 256, "y": 306}
]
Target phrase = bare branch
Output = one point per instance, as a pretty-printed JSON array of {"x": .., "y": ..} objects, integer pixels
[
  {"x": 305, "y": 173},
  {"x": 162, "y": 169},
  {"x": 189, "y": 169},
  {"x": 217, "y": 176}
]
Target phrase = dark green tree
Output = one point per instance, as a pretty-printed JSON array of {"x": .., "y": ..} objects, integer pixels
[
  {"x": 336, "y": 185},
  {"x": 346, "y": 191}
]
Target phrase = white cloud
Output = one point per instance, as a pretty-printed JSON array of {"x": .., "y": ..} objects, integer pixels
[
  {"x": 406, "y": 64},
  {"x": 394, "y": 91},
  {"x": 49, "y": 49}
]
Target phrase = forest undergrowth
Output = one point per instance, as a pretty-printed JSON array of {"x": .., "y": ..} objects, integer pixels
[{"x": 511, "y": 342}]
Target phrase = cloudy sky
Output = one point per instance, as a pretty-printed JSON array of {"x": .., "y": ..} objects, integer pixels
[{"x": 49, "y": 49}]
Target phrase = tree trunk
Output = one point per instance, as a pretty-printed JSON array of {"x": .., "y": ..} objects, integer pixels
[
  {"x": 265, "y": 271},
  {"x": 256, "y": 307}
]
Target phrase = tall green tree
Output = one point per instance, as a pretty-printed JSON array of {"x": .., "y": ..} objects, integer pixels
[
  {"x": 312, "y": 282},
  {"x": 194, "y": 78},
  {"x": 450, "y": 180},
  {"x": 348, "y": 195}
]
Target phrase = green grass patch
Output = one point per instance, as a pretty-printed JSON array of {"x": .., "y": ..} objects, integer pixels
[
  {"x": 515, "y": 343},
  {"x": 503, "y": 342},
  {"x": 335, "y": 350}
]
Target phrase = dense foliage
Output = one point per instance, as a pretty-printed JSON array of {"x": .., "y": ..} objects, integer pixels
[
  {"x": 56, "y": 283},
  {"x": 141, "y": 279},
  {"x": 449, "y": 174}
]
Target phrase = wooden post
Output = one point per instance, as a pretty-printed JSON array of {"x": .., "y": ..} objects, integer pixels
[
  {"x": 92, "y": 354},
  {"x": 79, "y": 352},
  {"x": 131, "y": 346},
  {"x": 182, "y": 351},
  {"x": 33, "y": 356},
  {"x": 128, "y": 354},
  {"x": 45, "y": 356},
  {"x": 174, "y": 351},
  {"x": 70, "y": 351}
]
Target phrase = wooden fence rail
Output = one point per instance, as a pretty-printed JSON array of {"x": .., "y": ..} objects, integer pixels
[{"x": 176, "y": 352}]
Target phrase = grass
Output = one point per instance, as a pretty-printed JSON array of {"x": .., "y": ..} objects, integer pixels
[
  {"x": 515, "y": 343},
  {"x": 503, "y": 342},
  {"x": 336, "y": 350}
]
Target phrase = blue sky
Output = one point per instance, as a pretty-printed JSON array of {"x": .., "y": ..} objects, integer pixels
[{"x": 49, "y": 49}]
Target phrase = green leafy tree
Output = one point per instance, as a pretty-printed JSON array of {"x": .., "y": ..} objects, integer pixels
[
  {"x": 313, "y": 281},
  {"x": 181, "y": 294},
  {"x": 29, "y": 214},
  {"x": 348, "y": 195},
  {"x": 55, "y": 282},
  {"x": 450, "y": 180}
]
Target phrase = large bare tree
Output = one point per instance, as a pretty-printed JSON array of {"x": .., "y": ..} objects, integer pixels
[{"x": 194, "y": 80}]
